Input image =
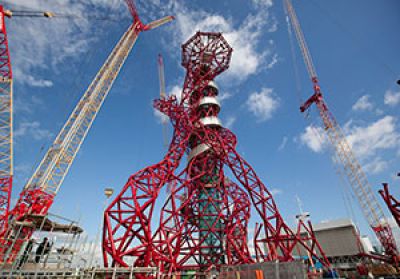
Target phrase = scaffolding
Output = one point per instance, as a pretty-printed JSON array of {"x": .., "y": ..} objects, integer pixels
[
  {"x": 57, "y": 244},
  {"x": 81, "y": 273}
]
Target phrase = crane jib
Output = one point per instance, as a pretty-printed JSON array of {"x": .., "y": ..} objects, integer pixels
[
  {"x": 51, "y": 172},
  {"x": 42, "y": 187}
]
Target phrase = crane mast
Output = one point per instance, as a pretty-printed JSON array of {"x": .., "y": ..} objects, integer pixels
[
  {"x": 352, "y": 169},
  {"x": 6, "y": 112},
  {"x": 39, "y": 192},
  {"x": 6, "y": 125}
]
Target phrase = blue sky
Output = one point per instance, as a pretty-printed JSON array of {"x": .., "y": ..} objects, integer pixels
[{"x": 355, "y": 50}]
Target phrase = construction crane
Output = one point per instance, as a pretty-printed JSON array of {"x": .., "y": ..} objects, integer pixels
[
  {"x": 349, "y": 163},
  {"x": 41, "y": 189},
  {"x": 6, "y": 125},
  {"x": 6, "y": 109},
  {"x": 163, "y": 95}
]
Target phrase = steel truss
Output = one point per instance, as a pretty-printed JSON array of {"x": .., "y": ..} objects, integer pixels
[
  {"x": 204, "y": 221},
  {"x": 350, "y": 167},
  {"x": 6, "y": 126},
  {"x": 41, "y": 189},
  {"x": 392, "y": 203}
]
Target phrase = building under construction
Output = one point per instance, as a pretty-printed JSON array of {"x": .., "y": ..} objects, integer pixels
[{"x": 213, "y": 195}]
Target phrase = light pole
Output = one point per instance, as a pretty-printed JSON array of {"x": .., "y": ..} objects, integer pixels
[{"x": 108, "y": 192}]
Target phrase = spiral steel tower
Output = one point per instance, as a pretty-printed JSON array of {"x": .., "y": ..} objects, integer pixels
[{"x": 204, "y": 220}]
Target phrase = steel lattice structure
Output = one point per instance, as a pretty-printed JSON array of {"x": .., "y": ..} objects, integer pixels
[
  {"x": 392, "y": 203},
  {"x": 204, "y": 220},
  {"x": 351, "y": 168},
  {"x": 6, "y": 125},
  {"x": 41, "y": 189}
]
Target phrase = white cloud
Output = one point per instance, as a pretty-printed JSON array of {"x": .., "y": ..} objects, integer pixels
[
  {"x": 273, "y": 61},
  {"x": 363, "y": 104},
  {"x": 283, "y": 143},
  {"x": 224, "y": 96},
  {"x": 161, "y": 117},
  {"x": 31, "y": 80},
  {"x": 375, "y": 166},
  {"x": 176, "y": 91},
  {"x": 263, "y": 104},
  {"x": 379, "y": 112},
  {"x": 228, "y": 123},
  {"x": 314, "y": 138},
  {"x": 275, "y": 191},
  {"x": 379, "y": 135},
  {"x": 27, "y": 104},
  {"x": 32, "y": 129},
  {"x": 365, "y": 141},
  {"x": 38, "y": 44},
  {"x": 392, "y": 98},
  {"x": 267, "y": 3}
]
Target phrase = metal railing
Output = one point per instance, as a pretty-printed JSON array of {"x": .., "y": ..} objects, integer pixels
[{"x": 81, "y": 273}]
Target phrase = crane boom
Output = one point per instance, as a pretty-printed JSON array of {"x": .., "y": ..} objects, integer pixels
[
  {"x": 6, "y": 125},
  {"x": 356, "y": 177},
  {"x": 56, "y": 162},
  {"x": 53, "y": 168},
  {"x": 39, "y": 192},
  {"x": 300, "y": 38},
  {"x": 6, "y": 112}
]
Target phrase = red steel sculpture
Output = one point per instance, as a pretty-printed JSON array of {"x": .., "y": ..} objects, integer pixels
[
  {"x": 392, "y": 203},
  {"x": 203, "y": 223}
]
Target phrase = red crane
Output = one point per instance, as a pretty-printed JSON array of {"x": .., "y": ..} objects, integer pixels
[
  {"x": 351, "y": 167},
  {"x": 6, "y": 124},
  {"x": 6, "y": 111},
  {"x": 41, "y": 189}
]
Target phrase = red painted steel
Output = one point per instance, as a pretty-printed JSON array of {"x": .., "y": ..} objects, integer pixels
[
  {"x": 392, "y": 203},
  {"x": 6, "y": 178},
  {"x": 39, "y": 193},
  {"x": 350, "y": 166},
  {"x": 5, "y": 63},
  {"x": 203, "y": 222},
  {"x": 368, "y": 203}
]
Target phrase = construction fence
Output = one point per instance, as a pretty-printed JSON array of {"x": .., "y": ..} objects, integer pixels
[{"x": 270, "y": 270}]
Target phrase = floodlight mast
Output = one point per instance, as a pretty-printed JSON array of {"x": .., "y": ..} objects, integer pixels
[{"x": 41, "y": 189}]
